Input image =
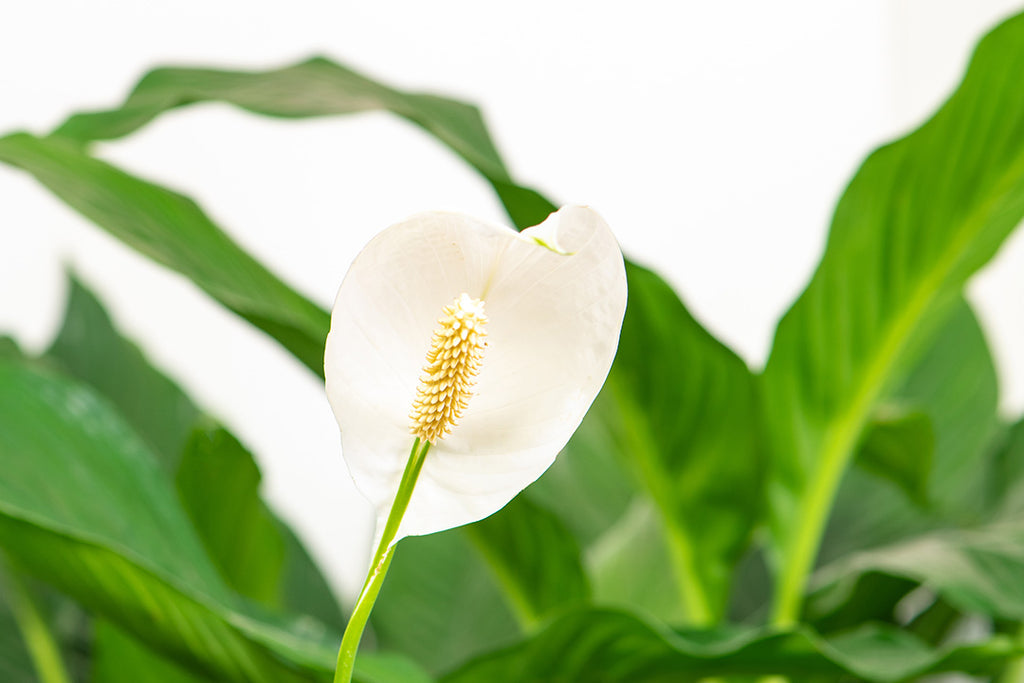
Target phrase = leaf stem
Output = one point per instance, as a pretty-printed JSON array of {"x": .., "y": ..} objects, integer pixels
[
  {"x": 379, "y": 567},
  {"x": 39, "y": 639}
]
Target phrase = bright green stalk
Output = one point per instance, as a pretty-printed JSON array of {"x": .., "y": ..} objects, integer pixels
[
  {"x": 379, "y": 567},
  {"x": 42, "y": 646}
]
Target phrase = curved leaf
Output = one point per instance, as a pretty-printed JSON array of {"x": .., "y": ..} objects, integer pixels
[
  {"x": 173, "y": 231},
  {"x": 84, "y": 506},
  {"x": 687, "y": 426},
  {"x": 602, "y": 646},
  {"x": 919, "y": 217},
  {"x": 317, "y": 87}
]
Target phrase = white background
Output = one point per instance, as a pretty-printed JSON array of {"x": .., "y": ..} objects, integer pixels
[{"x": 714, "y": 138}]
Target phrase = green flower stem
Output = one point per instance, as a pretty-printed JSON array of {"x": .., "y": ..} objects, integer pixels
[
  {"x": 379, "y": 567},
  {"x": 42, "y": 646}
]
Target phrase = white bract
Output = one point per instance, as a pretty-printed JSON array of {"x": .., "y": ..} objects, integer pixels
[{"x": 489, "y": 343}]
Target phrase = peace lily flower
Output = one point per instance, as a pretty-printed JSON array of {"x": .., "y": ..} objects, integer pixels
[{"x": 479, "y": 348}]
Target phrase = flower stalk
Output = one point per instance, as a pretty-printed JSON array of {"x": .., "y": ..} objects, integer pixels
[{"x": 379, "y": 567}]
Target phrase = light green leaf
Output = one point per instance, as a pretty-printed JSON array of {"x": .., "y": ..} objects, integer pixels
[
  {"x": 899, "y": 445},
  {"x": 919, "y": 217},
  {"x": 602, "y": 646},
  {"x": 687, "y": 427},
  {"x": 173, "y": 231},
  {"x": 89, "y": 348},
  {"x": 85, "y": 507},
  {"x": 218, "y": 483},
  {"x": 535, "y": 558}
]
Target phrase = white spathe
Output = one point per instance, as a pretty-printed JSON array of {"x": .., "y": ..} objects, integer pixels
[{"x": 555, "y": 296}]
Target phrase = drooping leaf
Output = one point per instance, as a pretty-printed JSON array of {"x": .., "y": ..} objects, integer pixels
[
  {"x": 317, "y": 87},
  {"x": 218, "y": 483},
  {"x": 919, "y": 217},
  {"x": 686, "y": 414},
  {"x": 85, "y": 507},
  {"x": 898, "y": 445},
  {"x": 603, "y": 646},
  {"x": 173, "y": 231},
  {"x": 441, "y": 603},
  {"x": 91, "y": 349}
]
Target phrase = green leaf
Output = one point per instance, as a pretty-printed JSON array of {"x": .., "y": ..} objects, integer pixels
[
  {"x": 588, "y": 486},
  {"x": 316, "y": 87},
  {"x": 441, "y": 603},
  {"x": 534, "y": 557},
  {"x": 218, "y": 483},
  {"x": 919, "y": 217},
  {"x": 89, "y": 348},
  {"x": 603, "y": 646},
  {"x": 173, "y": 231},
  {"x": 631, "y": 566},
  {"x": 686, "y": 420},
  {"x": 899, "y": 445},
  {"x": 85, "y": 507},
  {"x": 1004, "y": 488},
  {"x": 977, "y": 570},
  {"x": 955, "y": 384},
  {"x": 119, "y": 658}
]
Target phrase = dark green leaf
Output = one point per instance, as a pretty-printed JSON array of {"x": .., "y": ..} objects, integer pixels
[
  {"x": 601, "y": 646},
  {"x": 899, "y": 446},
  {"x": 173, "y": 231},
  {"x": 89, "y": 348},
  {"x": 218, "y": 483},
  {"x": 534, "y": 557},
  {"x": 85, "y": 507},
  {"x": 1004, "y": 488},
  {"x": 686, "y": 411},
  {"x": 919, "y": 217}
]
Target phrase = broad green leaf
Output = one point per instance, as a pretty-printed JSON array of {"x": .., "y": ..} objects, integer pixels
[
  {"x": 631, "y": 566},
  {"x": 119, "y": 658},
  {"x": 1004, "y": 488},
  {"x": 91, "y": 349},
  {"x": 218, "y": 483},
  {"x": 899, "y": 445},
  {"x": 954, "y": 383},
  {"x": 441, "y": 603},
  {"x": 602, "y": 646},
  {"x": 316, "y": 87},
  {"x": 534, "y": 557},
  {"x": 588, "y": 487},
  {"x": 977, "y": 570},
  {"x": 85, "y": 507},
  {"x": 919, "y": 217},
  {"x": 686, "y": 414},
  {"x": 173, "y": 231}
]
